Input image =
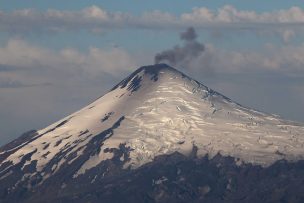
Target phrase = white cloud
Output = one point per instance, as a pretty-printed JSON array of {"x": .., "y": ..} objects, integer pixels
[
  {"x": 95, "y": 18},
  {"x": 19, "y": 53},
  {"x": 286, "y": 59},
  {"x": 96, "y": 13},
  {"x": 229, "y": 14},
  {"x": 23, "y": 62}
]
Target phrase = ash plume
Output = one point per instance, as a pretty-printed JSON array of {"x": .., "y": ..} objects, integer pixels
[{"x": 182, "y": 55}]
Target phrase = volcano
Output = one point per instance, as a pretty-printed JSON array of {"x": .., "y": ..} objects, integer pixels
[{"x": 157, "y": 136}]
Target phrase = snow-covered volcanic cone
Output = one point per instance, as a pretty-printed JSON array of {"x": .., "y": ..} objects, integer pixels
[{"x": 156, "y": 111}]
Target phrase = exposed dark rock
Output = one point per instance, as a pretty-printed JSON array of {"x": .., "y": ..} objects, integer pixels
[
  {"x": 169, "y": 178},
  {"x": 107, "y": 116},
  {"x": 134, "y": 84},
  {"x": 151, "y": 70},
  {"x": 16, "y": 144}
]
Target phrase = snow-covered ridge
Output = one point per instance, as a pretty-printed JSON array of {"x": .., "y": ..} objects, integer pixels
[{"x": 158, "y": 110}]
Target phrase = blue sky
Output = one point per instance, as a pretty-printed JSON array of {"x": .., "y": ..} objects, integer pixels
[{"x": 56, "y": 56}]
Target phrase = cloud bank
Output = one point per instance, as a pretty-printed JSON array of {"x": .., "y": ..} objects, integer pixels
[
  {"x": 96, "y": 19},
  {"x": 24, "y": 64}
]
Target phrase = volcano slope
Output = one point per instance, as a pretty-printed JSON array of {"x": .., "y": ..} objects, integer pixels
[{"x": 157, "y": 136}]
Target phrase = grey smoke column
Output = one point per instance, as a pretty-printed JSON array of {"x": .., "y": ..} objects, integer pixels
[
  {"x": 182, "y": 55},
  {"x": 189, "y": 34}
]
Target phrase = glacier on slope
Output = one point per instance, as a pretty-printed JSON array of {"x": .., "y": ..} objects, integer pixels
[{"x": 157, "y": 110}]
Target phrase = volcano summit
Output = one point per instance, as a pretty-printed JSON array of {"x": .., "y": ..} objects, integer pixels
[{"x": 157, "y": 136}]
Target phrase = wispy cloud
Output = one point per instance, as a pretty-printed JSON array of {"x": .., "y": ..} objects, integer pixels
[
  {"x": 8, "y": 68},
  {"x": 23, "y": 64},
  {"x": 20, "y": 55},
  {"x": 229, "y": 14},
  {"x": 287, "y": 59},
  {"x": 96, "y": 19},
  {"x": 9, "y": 83}
]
